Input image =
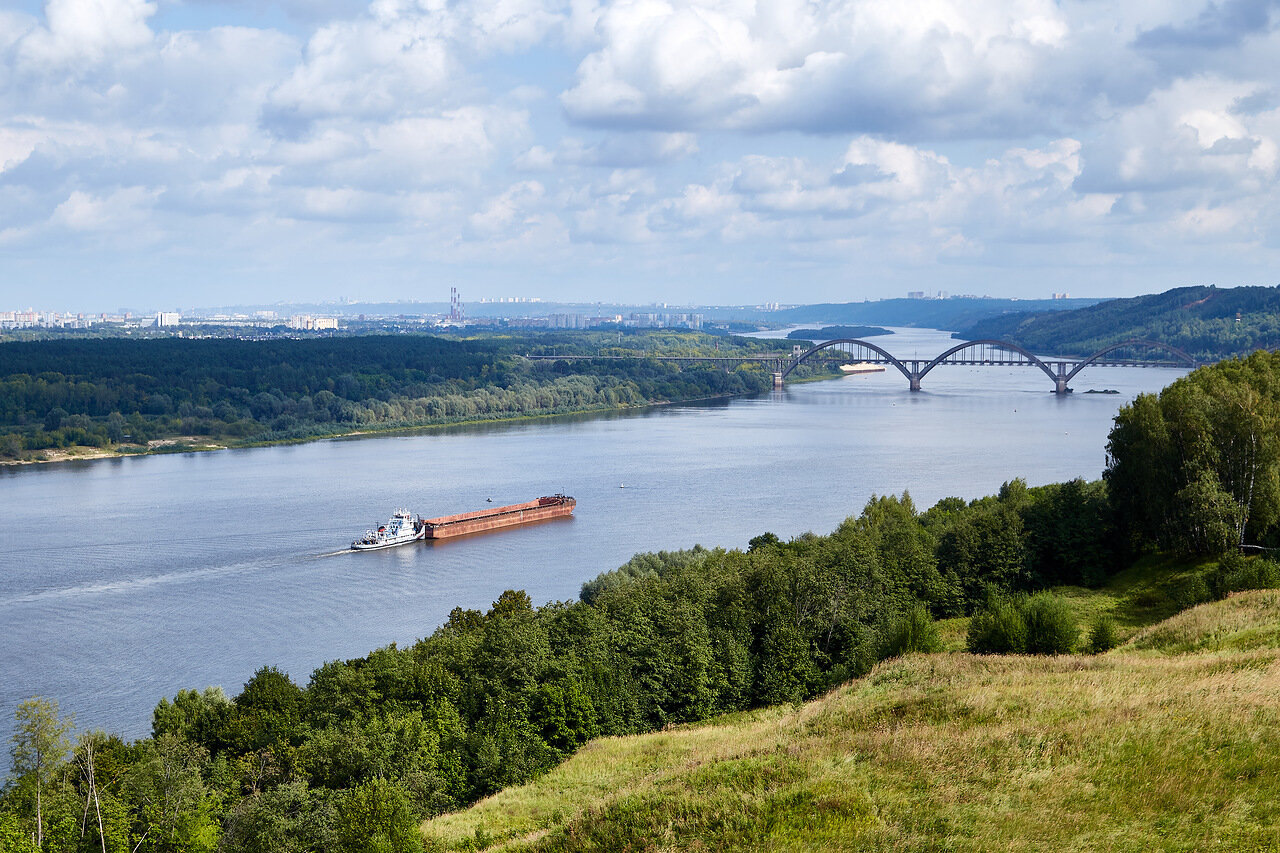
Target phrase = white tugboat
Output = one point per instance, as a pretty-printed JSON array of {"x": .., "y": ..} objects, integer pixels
[{"x": 403, "y": 527}]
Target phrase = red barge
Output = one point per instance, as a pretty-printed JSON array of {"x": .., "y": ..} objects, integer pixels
[{"x": 448, "y": 526}]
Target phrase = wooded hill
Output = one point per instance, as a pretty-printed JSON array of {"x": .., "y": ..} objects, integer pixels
[
  {"x": 111, "y": 392},
  {"x": 1208, "y": 322},
  {"x": 954, "y": 313}
]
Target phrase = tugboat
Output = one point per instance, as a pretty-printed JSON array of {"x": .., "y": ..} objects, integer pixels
[{"x": 403, "y": 527}]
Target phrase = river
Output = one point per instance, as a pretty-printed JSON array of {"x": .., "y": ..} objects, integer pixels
[{"x": 126, "y": 580}]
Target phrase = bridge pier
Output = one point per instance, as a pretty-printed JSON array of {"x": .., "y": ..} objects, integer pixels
[
  {"x": 915, "y": 382},
  {"x": 777, "y": 380},
  {"x": 1060, "y": 381}
]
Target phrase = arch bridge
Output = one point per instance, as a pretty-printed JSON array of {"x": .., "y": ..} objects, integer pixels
[{"x": 994, "y": 353}]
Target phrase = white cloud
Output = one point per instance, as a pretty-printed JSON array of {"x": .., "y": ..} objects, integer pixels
[
  {"x": 117, "y": 211},
  {"x": 667, "y": 136},
  {"x": 875, "y": 65},
  {"x": 88, "y": 31}
]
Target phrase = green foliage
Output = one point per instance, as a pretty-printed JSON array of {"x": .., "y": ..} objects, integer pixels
[
  {"x": 14, "y": 836},
  {"x": 1198, "y": 468},
  {"x": 374, "y": 817},
  {"x": 1041, "y": 624},
  {"x": 958, "y": 312},
  {"x": 1236, "y": 573},
  {"x": 1208, "y": 322},
  {"x": 1102, "y": 636},
  {"x": 831, "y": 333},
  {"x": 1051, "y": 625},
  {"x": 39, "y": 748},
  {"x": 998, "y": 629},
  {"x": 100, "y": 392},
  {"x": 913, "y": 631},
  {"x": 167, "y": 781}
]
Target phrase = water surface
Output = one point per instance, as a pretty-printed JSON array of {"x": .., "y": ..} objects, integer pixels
[{"x": 126, "y": 580}]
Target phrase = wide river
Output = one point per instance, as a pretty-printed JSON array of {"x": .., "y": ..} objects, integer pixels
[{"x": 125, "y": 580}]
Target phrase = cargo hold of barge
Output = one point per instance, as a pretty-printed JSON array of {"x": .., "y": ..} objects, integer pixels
[{"x": 549, "y": 506}]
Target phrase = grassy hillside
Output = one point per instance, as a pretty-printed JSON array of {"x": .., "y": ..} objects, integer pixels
[
  {"x": 1208, "y": 322},
  {"x": 1171, "y": 742}
]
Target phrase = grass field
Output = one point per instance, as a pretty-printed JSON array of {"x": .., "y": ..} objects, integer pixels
[{"x": 1170, "y": 742}]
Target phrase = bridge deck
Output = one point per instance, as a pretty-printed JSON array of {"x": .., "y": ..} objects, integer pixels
[{"x": 980, "y": 353}]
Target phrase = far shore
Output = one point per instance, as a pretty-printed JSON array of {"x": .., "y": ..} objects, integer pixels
[{"x": 195, "y": 444}]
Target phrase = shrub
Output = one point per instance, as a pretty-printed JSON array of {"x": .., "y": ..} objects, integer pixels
[
  {"x": 1236, "y": 573},
  {"x": 998, "y": 629},
  {"x": 1052, "y": 628},
  {"x": 1190, "y": 592},
  {"x": 913, "y": 631},
  {"x": 1102, "y": 636}
]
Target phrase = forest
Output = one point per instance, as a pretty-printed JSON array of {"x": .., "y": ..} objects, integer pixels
[
  {"x": 355, "y": 757},
  {"x": 831, "y": 333},
  {"x": 122, "y": 394},
  {"x": 1208, "y": 322}
]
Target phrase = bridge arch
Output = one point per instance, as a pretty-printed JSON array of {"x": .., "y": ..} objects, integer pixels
[
  {"x": 889, "y": 357},
  {"x": 1005, "y": 345},
  {"x": 1180, "y": 355}
]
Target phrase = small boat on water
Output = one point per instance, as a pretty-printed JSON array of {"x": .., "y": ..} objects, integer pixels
[{"x": 403, "y": 527}]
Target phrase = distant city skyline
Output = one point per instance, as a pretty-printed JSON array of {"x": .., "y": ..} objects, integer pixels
[{"x": 168, "y": 153}]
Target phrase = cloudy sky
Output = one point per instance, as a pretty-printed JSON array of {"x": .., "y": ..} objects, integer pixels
[{"x": 175, "y": 154}]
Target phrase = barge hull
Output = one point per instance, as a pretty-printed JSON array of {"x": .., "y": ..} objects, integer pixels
[{"x": 448, "y": 526}]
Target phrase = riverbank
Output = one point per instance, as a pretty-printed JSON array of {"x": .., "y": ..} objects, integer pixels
[{"x": 194, "y": 444}]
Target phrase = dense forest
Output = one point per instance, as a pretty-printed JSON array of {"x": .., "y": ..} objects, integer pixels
[
  {"x": 115, "y": 393},
  {"x": 354, "y": 758},
  {"x": 1208, "y": 322}
]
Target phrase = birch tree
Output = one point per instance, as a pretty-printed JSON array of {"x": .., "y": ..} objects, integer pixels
[{"x": 40, "y": 745}]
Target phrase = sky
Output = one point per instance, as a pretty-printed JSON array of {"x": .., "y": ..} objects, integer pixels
[{"x": 170, "y": 154}]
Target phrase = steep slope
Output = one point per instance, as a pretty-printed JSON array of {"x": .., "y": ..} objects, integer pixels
[
  {"x": 1169, "y": 743},
  {"x": 1208, "y": 322}
]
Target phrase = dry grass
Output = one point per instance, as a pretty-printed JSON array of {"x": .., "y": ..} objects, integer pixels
[
  {"x": 1244, "y": 621},
  {"x": 1140, "y": 749}
]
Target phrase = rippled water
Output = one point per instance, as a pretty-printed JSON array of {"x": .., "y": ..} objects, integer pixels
[{"x": 125, "y": 580}]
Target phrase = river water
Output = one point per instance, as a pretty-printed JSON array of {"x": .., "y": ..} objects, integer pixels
[{"x": 125, "y": 580}]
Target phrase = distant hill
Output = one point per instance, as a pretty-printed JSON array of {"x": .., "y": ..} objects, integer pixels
[
  {"x": 951, "y": 314},
  {"x": 831, "y": 333},
  {"x": 1208, "y": 322}
]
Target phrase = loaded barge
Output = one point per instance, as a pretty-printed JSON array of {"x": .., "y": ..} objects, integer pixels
[{"x": 448, "y": 526}]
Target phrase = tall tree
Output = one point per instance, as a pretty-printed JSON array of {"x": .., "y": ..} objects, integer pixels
[{"x": 40, "y": 745}]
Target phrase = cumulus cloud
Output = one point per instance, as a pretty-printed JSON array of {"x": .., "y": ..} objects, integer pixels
[
  {"x": 680, "y": 135},
  {"x": 88, "y": 31},
  {"x": 868, "y": 65}
]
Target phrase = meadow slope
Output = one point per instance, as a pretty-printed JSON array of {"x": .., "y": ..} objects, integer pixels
[{"x": 1170, "y": 742}]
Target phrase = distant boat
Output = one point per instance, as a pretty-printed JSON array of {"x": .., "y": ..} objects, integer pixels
[{"x": 622, "y": 485}]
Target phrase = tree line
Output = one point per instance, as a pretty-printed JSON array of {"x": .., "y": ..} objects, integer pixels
[
  {"x": 114, "y": 392},
  {"x": 355, "y": 757}
]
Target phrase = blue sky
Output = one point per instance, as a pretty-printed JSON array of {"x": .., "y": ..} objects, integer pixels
[{"x": 179, "y": 154}]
